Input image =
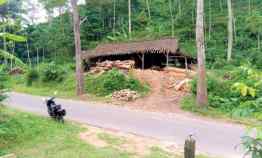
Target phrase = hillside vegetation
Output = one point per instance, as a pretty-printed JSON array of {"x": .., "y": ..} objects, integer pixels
[{"x": 161, "y": 18}]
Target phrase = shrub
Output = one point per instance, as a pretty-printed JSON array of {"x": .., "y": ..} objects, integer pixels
[
  {"x": 253, "y": 144},
  {"x": 238, "y": 92},
  {"x": 52, "y": 72},
  {"x": 111, "y": 81},
  {"x": 31, "y": 76}
]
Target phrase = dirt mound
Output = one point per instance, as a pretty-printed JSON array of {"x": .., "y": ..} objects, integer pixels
[{"x": 168, "y": 87}]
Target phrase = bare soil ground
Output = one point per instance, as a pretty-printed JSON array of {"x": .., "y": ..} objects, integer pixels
[
  {"x": 163, "y": 97},
  {"x": 130, "y": 143}
]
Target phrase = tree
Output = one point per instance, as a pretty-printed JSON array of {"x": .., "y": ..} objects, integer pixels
[
  {"x": 78, "y": 51},
  {"x": 148, "y": 9},
  {"x": 129, "y": 19},
  {"x": 230, "y": 30},
  {"x": 201, "y": 82},
  {"x": 171, "y": 17}
]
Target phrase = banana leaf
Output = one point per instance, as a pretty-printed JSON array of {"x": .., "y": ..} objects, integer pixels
[
  {"x": 2, "y": 2},
  {"x": 7, "y": 55},
  {"x": 16, "y": 38}
]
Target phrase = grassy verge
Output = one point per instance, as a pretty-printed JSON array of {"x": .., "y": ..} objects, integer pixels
[
  {"x": 65, "y": 89},
  {"x": 30, "y": 136},
  {"x": 97, "y": 87},
  {"x": 188, "y": 104}
]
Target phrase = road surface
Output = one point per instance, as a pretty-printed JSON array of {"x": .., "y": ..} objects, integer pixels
[{"x": 213, "y": 137}]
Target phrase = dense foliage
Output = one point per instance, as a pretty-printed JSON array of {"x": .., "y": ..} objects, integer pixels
[
  {"x": 46, "y": 73},
  {"x": 111, "y": 81},
  {"x": 54, "y": 39},
  {"x": 31, "y": 76},
  {"x": 238, "y": 92}
]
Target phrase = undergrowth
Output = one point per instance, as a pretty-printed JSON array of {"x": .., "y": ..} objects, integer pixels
[
  {"x": 236, "y": 93},
  {"x": 111, "y": 81}
]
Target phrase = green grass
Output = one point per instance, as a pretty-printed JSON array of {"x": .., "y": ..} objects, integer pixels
[
  {"x": 110, "y": 139},
  {"x": 30, "y": 136},
  {"x": 156, "y": 152},
  {"x": 64, "y": 89},
  {"x": 188, "y": 104}
]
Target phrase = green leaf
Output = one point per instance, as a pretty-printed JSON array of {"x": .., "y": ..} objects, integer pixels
[
  {"x": 2, "y": 2},
  {"x": 16, "y": 38},
  {"x": 9, "y": 56},
  {"x": 252, "y": 92}
]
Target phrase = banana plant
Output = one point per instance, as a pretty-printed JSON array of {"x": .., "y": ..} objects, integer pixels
[
  {"x": 12, "y": 37},
  {"x": 244, "y": 89}
]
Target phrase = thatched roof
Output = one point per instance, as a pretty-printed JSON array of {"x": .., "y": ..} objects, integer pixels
[{"x": 154, "y": 46}]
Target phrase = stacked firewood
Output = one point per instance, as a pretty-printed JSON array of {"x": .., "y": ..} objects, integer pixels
[
  {"x": 125, "y": 95},
  {"x": 108, "y": 65}
]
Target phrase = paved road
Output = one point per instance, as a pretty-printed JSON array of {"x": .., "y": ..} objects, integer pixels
[{"x": 213, "y": 137}]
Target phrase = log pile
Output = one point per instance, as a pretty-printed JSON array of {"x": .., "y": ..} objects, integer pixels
[
  {"x": 108, "y": 65},
  {"x": 16, "y": 71},
  {"x": 125, "y": 95},
  {"x": 183, "y": 85}
]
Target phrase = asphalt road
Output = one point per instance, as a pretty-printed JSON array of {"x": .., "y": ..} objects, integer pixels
[{"x": 213, "y": 137}]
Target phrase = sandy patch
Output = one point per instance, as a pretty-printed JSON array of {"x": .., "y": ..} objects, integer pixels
[{"x": 132, "y": 143}]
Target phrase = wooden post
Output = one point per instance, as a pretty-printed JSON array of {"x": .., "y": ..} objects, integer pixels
[
  {"x": 186, "y": 63},
  {"x": 190, "y": 148},
  {"x": 167, "y": 59},
  {"x": 143, "y": 61}
]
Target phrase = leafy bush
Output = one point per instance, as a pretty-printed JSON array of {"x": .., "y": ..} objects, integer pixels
[
  {"x": 31, "y": 76},
  {"x": 52, "y": 72},
  {"x": 111, "y": 81},
  {"x": 253, "y": 144},
  {"x": 237, "y": 92}
]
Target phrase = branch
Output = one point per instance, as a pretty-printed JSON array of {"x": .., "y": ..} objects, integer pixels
[{"x": 83, "y": 20}]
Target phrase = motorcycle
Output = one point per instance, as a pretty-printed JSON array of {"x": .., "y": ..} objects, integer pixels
[{"x": 55, "y": 111}]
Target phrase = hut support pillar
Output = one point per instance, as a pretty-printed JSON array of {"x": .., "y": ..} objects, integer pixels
[
  {"x": 143, "y": 61},
  {"x": 167, "y": 59},
  {"x": 186, "y": 64}
]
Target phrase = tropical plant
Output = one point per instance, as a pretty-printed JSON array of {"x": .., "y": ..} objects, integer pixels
[
  {"x": 12, "y": 37},
  {"x": 253, "y": 144},
  {"x": 244, "y": 89}
]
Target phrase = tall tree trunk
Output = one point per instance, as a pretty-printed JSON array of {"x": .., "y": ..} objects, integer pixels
[
  {"x": 78, "y": 51},
  {"x": 43, "y": 55},
  {"x": 37, "y": 58},
  {"x": 5, "y": 45},
  {"x": 148, "y": 9},
  {"x": 258, "y": 41},
  {"x": 230, "y": 30},
  {"x": 200, "y": 43},
  {"x": 13, "y": 53},
  {"x": 221, "y": 5},
  {"x": 209, "y": 20},
  {"x": 28, "y": 54},
  {"x": 114, "y": 18},
  {"x": 249, "y": 7},
  {"x": 179, "y": 7},
  {"x": 129, "y": 19},
  {"x": 172, "y": 18}
]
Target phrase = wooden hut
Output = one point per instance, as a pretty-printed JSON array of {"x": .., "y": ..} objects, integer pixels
[{"x": 146, "y": 54}]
